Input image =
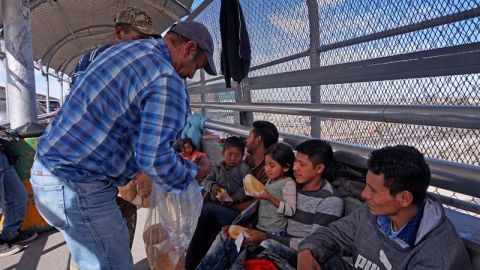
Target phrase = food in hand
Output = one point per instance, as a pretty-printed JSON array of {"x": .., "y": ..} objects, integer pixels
[
  {"x": 234, "y": 231},
  {"x": 223, "y": 196},
  {"x": 252, "y": 186}
]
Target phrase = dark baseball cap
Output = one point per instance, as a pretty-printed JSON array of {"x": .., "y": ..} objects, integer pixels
[{"x": 197, "y": 32}]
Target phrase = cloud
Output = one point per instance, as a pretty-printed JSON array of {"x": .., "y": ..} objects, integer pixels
[{"x": 295, "y": 21}]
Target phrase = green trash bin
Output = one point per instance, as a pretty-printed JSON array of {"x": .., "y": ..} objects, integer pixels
[{"x": 25, "y": 149}]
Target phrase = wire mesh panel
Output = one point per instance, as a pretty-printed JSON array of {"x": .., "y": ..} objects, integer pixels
[
  {"x": 289, "y": 124},
  {"x": 351, "y": 31},
  {"x": 282, "y": 95},
  {"x": 220, "y": 97},
  {"x": 276, "y": 29},
  {"x": 458, "y": 196},
  {"x": 226, "y": 116},
  {"x": 210, "y": 17}
]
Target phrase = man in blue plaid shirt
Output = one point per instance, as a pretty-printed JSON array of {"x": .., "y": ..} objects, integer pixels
[{"x": 121, "y": 117}]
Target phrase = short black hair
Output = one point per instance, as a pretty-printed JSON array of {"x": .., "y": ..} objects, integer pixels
[
  {"x": 282, "y": 154},
  {"x": 404, "y": 169},
  {"x": 189, "y": 141},
  {"x": 234, "y": 141},
  {"x": 318, "y": 151},
  {"x": 267, "y": 131}
]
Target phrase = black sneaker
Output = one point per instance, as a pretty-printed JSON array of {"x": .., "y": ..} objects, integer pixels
[
  {"x": 24, "y": 238},
  {"x": 8, "y": 249}
]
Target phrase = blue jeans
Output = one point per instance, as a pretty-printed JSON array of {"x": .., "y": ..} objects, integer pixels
[
  {"x": 87, "y": 215},
  {"x": 287, "y": 253},
  {"x": 221, "y": 255},
  {"x": 15, "y": 200},
  {"x": 212, "y": 218}
]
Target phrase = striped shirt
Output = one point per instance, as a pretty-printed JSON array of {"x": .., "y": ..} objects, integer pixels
[
  {"x": 314, "y": 209},
  {"x": 122, "y": 116},
  {"x": 288, "y": 206}
]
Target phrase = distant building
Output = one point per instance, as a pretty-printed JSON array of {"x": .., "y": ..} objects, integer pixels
[{"x": 41, "y": 104}]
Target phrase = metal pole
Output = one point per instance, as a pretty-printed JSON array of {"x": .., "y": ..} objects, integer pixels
[
  {"x": 202, "y": 96},
  {"x": 61, "y": 90},
  {"x": 19, "y": 68},
  {"x": 467, "y": 117},
  {"x": 4, "y": 114},
  {"x": 314, "y": 27},
  {"x": 47, "y": 96},
  {"x": 246, "y": 118},
  {"x": 237, "y": 115}
]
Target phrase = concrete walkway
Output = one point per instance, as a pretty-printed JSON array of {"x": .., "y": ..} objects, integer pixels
[{"x": 49, "y": 251}]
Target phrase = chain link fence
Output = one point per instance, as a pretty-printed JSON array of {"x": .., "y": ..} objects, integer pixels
[{"x": 279, "y": 29}]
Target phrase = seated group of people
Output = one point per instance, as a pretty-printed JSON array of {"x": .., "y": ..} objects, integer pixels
[{"x": 299, "y": 222}]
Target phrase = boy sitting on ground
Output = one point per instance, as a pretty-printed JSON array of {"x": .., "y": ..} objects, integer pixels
[{"x": 225, "y": 181}]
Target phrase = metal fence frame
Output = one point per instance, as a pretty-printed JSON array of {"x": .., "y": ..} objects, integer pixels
[{"x": 445, "y": 61}]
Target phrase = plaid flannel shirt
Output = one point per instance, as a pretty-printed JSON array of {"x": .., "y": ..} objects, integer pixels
[{"x": 122, "y": 116}]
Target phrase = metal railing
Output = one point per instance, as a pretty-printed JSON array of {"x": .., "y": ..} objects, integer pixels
[{"x": 445, "y": 116}]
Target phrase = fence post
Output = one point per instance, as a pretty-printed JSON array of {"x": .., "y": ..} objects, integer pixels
[
  {"x": 314, "y": 34},
  {"x": 246, "y": 118},
  {"x": 61, "y": 89},
  {"x": 237, "y": 91},
  {"x": 202, "y": 96},
  {"x": 47, "y": 96}
]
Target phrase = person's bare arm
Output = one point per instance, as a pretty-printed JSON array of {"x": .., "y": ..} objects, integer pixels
[
  {"x": 306, "y": 260},
  {"x": 254, "y": 237}
]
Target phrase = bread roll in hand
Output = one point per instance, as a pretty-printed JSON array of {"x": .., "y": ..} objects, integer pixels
[
  {"x": 223, "y": 196},
  {"x": 252, "y": 186},
  {"x": 234, "y": 231}
]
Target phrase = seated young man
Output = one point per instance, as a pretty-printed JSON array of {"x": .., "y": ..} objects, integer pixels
[
  {"x": 317, "y": 206},
  {"x": 402, "y": 227},
  {"x": 261, "y": 136}
]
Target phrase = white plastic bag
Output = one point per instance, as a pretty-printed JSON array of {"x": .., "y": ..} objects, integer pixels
[{"x": 170, "y": 225}]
